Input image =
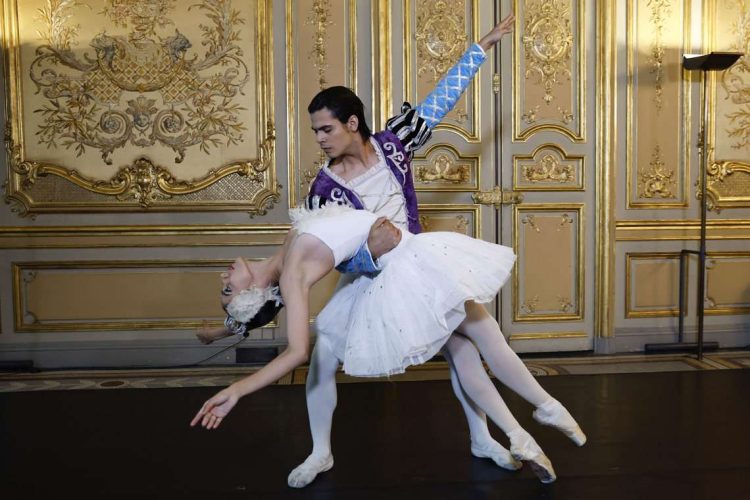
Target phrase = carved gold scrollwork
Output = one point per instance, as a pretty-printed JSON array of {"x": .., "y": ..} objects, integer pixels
[
  {"x": 136, "y": 90},
  {"x": 565, "y": 304},
  {"x": 656, "y": 182},
  {"x": 660, "y": 11},
  {"x": 441, "y": 36},
  {"x": 310, "y": 173},
  {"x": 530, "y": 116},
  {"x": 142, "y": 181},
  {"x": 736, "y": 83},
  {"x": 424, "y": 221},
  {"x": 321, "y": 12},
  {"x": 461, "y": 225},
  {"x": 565, "y": 115},
  {"x": 443, "y": 169},
  {"x": 83, "y": 94},
  {"x": 564, "y": 219},
  {"x": 549, "y": 169},
  {"x": 497, "y": 197},
  {"x": 531, "y": 221},
  {"x": 728, "y": 185},
  {"x": 529, "y": 307},
  {"x": 548, "y": 43}
]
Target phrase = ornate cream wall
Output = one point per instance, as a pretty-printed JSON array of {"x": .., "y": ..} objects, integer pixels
[
  {"x": 144, "y": 158},
  {"x": 655, "y": 169}
]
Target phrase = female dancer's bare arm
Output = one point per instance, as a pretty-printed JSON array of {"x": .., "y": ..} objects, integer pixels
[{"x": 306, "y": 261}]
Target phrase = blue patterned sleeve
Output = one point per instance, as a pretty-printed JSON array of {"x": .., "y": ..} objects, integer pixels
[
  {"x": 361, "y": 263},
  {"x": 449, "y": 89}
]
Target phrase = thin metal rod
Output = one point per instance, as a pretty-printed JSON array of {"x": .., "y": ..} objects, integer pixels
[
  {"x": 702, "y": 250},
  {"x": 681, "y": 319}
]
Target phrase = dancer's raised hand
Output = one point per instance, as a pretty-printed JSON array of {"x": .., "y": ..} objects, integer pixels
[
  {"x": 214, "y": 410},
  {"x": 500, "y": 30}
]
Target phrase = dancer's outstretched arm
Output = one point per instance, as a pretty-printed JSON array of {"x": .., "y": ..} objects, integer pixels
[
  {"x": 414, "y": 125},
  {"x": 207, "y": 334},
  {"x": 307, "y": 261}
]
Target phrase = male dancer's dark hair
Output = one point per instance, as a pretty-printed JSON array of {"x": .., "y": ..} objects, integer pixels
[{"x": 342, "y": 103}]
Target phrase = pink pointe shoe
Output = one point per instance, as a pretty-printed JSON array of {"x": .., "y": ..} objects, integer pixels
[
  {"x": 524, "y": 448},
  {"x": 554, "y": 414}
]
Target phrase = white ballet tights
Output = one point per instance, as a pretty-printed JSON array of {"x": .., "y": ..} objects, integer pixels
[
  {"x": 474, "y": 380},
  {"x": 468, "y": 377},
  {"x": 321, "y": 396},
  {"x": 321, "y": 403},
  {"x": 504, "y": 363},
  {"x": 483, "y": 445}
]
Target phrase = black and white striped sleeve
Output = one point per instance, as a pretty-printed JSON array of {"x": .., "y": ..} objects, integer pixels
[{"x": 410, "y": 128}]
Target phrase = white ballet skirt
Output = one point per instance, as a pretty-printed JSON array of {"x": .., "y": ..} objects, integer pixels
[{"x": 380, "y": 326}]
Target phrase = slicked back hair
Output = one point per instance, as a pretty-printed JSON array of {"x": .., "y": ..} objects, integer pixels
[{"x": 342, "y": 102}]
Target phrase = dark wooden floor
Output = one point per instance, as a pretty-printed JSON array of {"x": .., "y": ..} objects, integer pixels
[{"x": 651, "y": 436}]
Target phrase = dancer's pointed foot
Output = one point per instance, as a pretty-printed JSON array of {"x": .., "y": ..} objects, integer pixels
[
  {"x": 308, "y": 470},
  {"x": 497, "y": 453},
  {"x": 524, "y": 448},
  {"x": 554, "y": 414}
]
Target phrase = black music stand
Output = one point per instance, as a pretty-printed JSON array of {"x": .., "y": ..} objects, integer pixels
[{"x": 713, "y": 61}]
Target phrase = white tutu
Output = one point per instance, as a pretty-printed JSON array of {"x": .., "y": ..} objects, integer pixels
[{"x": 379, "y": 326}]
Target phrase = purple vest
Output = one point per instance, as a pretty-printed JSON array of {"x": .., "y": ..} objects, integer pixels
[{"x": 400, "y": 165}]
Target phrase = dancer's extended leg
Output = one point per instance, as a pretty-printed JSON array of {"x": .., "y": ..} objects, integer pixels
[
  {"x": 505, "y": 364},
  {"x": 483, "y": 445},
  {"x": 321, "y": 402},
  {"x": 483, "y": 392}
]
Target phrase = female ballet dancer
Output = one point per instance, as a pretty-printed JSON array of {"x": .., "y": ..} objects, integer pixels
[{"x": 439, "y": 273}]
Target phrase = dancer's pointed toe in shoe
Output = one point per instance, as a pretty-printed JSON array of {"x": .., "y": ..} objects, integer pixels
[
  {"x": 554, "y": 414},
  {"x": 524, "y": 448},
  {"x": 497, "y": 453}
]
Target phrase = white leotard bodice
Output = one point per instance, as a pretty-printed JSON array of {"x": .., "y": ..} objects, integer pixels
[{"x": 341, "y": 229}]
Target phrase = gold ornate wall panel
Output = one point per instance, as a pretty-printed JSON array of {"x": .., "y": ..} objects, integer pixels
[
  {"x": 115, "y": 295},
  {"x": 652, "y": 284},
  {"x": 321, "y": 40},
  {"x": 658, "y": 104},
  {"x": 549, "y": 71},
  {"x": 170, "y": 108},
  {"x": 549, "y": 168},
  {"x": 437, "y": 33},
  {"x": 443, "y": 168},
  {"x": 728, "y": 283},
  {"x": 548, "y": 278},
  {"x": 462, "y": 219},
  {"x": 728, "y": 186}
]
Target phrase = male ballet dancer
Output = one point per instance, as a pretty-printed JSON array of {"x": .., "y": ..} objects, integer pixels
[{"x": 373, "y": 172}]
